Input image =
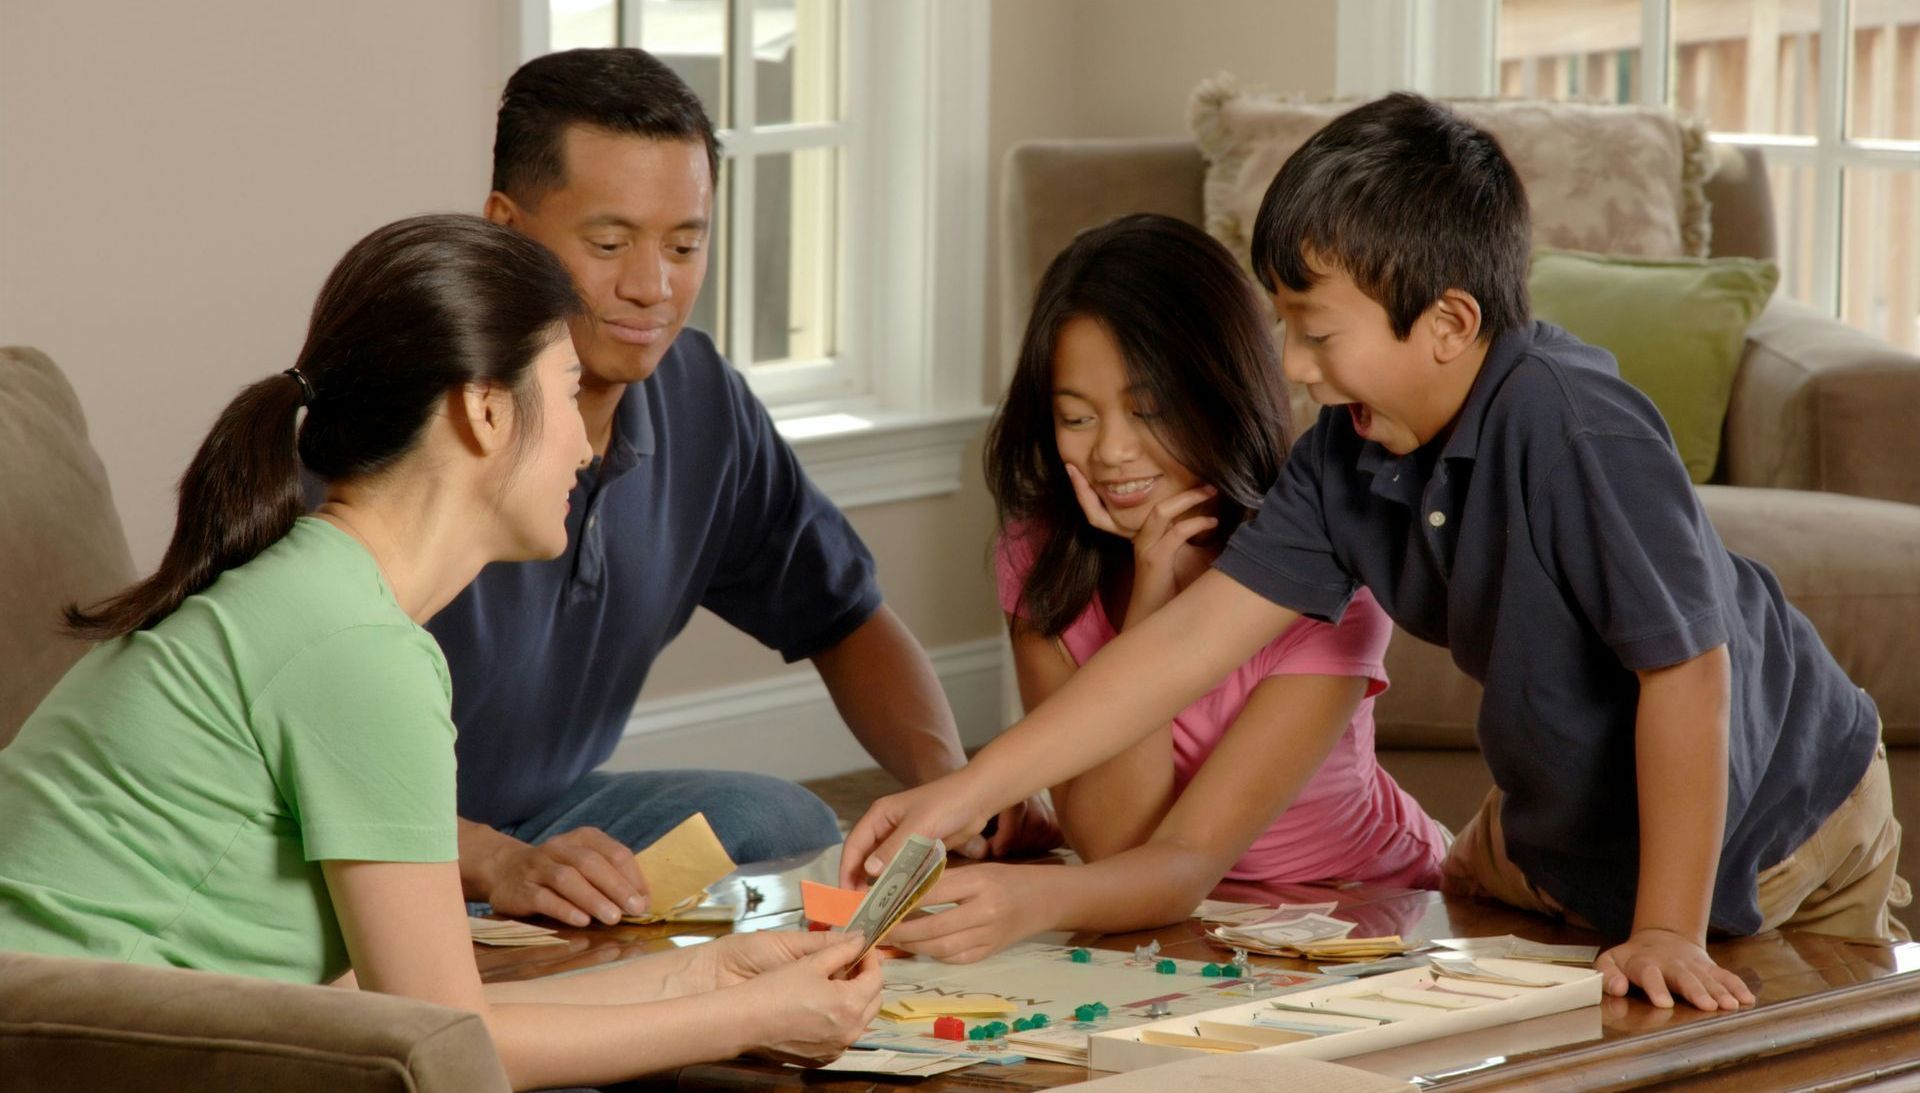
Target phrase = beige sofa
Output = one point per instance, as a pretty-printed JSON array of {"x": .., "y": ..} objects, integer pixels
[
  {"x": 102, "y": 1026},
  {"x": 1819, "y": 477}
]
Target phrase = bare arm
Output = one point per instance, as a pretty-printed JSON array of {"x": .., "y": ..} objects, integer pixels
[
  {"x": 406, "y": 932},
  {"x": 1680, "y": 760},
  {"x": 1135, "y": 684},
  {"x": 886, "y": 691},
  {"x": 1269, "y": 754}
]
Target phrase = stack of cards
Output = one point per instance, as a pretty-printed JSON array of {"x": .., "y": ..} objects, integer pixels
[
  {"x": 900, "y": 1064},
  {"x": 1509, "y": 947},
  {"x": 966, "y": 1007},
  {"x": 506, "y": 932}
]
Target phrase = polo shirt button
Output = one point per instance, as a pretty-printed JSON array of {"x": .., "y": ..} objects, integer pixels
[{"x": 1437, "y": 518}]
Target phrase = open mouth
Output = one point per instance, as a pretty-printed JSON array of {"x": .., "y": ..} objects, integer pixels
[
  {"x": 1130, "y": 492},
  {"x": 1362, "y": 417}
]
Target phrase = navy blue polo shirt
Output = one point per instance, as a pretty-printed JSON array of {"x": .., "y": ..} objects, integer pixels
[
  {"x": 697, "y": 503},
  {"x": 1552, "y": 542}
]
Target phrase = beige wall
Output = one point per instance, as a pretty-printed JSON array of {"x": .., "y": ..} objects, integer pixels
[
  {"x": 176, "y": 179},
  {"x": 1125, "y": 68}
]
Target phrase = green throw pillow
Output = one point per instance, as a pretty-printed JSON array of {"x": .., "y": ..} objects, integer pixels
[{"x": 1676, "y": 325}]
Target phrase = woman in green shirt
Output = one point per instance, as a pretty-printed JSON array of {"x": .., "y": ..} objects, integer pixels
[{"x": 253, "y": 772}]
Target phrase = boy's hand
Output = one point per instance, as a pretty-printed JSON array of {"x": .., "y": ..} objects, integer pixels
[
  {"x": 1661, "y": 962},
  {"x": 939, "y": 809}
]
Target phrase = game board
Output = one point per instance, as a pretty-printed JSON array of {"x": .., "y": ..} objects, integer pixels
[{"x": 1045, "y": 978}]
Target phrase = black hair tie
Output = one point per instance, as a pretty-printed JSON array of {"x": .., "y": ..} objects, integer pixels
[{"x": 306, "y": 386}]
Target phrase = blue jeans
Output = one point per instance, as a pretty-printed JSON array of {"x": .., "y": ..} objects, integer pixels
[{"x": 757, "y": 817}]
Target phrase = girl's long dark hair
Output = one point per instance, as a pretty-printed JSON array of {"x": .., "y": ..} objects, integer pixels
[
  {"x": 1195, "y": 340},
  {"x": 417, "y": 309}
]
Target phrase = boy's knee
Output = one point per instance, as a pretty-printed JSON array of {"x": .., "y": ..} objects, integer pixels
[{"x": 774, "y": 818}]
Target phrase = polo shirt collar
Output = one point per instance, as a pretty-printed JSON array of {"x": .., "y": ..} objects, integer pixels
[{"x": 1503, "y": 356}]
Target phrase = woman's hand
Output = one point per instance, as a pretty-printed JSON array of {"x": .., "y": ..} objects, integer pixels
[
  {"x": 735, "y": 958},
  {"x": 1165, "y": 558},
  {"x": 997, "y": 905},
  {"x": 804, "y": 1014}
]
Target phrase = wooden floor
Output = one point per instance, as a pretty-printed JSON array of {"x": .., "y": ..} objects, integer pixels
[{"x": 850, "y": 794}]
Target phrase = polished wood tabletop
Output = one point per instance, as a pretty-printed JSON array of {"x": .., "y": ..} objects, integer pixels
[{"x": 1833, "y": 1013}]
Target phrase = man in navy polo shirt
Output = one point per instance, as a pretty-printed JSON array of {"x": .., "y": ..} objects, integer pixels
[{"x": 607, "y": 158}]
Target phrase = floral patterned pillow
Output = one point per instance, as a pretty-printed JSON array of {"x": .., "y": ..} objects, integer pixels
[{"x": 1606, "y": 179}]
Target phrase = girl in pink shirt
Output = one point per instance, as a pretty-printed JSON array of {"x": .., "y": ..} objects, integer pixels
[{"x": 1145, "y": 420}]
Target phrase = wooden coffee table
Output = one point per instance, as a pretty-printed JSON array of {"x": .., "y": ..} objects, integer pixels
[{"x": 1833, "y": 1013}]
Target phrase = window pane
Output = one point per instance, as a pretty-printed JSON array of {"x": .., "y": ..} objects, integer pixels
[
  {"x": 578, "y": 24},
  {"x": 796, "y": 51},
  {"x": 1570, "y": 49},
  {"x": 1793, "y": 219},
  {"x": 796, "y": 255},
  {"x": 710, "y": 308},
  {"x": 1880, "y": 252},
  {"x": 690, "y": 36},
  {"x": 1748, "y": 67},
  {"x": 1886, "y": 70}
]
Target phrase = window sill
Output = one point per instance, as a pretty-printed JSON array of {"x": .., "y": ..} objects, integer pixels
[{"x": 871, "y": 458}]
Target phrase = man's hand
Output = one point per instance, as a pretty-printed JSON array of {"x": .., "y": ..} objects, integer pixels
[
  {"x": 996, "y": 906},
  {"x": 1661, "y": 962},
  {"x": 582, "y": 875}
]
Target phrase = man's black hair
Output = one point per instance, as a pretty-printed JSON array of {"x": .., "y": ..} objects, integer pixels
[
  {"x": 627, "y": 91},
  {"x": 1410, "y": 200}
]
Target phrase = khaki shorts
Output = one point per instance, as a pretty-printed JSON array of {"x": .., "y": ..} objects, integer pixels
[{"x": 1841, "y": 881}]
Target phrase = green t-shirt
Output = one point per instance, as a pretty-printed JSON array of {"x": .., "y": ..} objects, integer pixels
[{"x": 171, "y": 800}]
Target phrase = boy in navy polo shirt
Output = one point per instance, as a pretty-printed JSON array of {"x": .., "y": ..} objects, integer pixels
[{"x": 1675, "y": 751}]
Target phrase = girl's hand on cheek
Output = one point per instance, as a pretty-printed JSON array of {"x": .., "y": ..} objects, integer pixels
[
  {"x": 1092, "y": 506},
  {"x": 1164, "y": 557}
]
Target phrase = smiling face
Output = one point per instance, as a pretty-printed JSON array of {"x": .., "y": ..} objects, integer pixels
[
  {"x": 631, "y": 222},
  {"x": 539, "y": 476},
  {"x": 1103, "y": 426},
  {"x": 1341, "y": 346}
]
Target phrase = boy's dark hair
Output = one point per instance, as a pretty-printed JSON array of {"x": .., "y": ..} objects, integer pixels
[
  {"x": 626, "y": 91},
  {"x": 417, "y": 309},
  {"x": 1410, "y": 200},
  {"x": 1196, "y": 343}
]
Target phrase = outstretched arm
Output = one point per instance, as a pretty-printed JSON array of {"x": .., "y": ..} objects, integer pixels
[
  {"x": 1131, "y": 687},
  {"x": 887, "y": 693}
]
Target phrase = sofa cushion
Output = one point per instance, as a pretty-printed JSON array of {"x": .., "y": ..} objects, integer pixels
[
  {"x": 1608, "y": 179},
  {"x": 61, "y": 539},
  {"x": 1677, "y": 327},
  {"x": 105, "y": 1026}
]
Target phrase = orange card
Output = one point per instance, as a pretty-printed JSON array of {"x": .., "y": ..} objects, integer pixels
[{"x": 828, "y": 905}]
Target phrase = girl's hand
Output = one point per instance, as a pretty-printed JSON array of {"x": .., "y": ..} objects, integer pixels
[
  {"x": 997, "y": 906},
  {"x": 1663, "y": 963},
  {"x": 1164, "y": 557},
  {"x": 809, "y": 1016}
]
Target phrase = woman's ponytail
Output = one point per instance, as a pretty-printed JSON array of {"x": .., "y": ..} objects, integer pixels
[{"x": 240, "y": 494}]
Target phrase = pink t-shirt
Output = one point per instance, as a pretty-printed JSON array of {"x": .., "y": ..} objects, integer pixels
[{"x": 1351, "y": 821}]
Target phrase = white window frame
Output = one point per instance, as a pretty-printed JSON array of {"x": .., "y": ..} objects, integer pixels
[
  {"x": 1383, "y": 45},
  {"x": 890, "y": 417}
]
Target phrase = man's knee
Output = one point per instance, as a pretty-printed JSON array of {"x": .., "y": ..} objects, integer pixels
[{"x": 763, "y": 818}]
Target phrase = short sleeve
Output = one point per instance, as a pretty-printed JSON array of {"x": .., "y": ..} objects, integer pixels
[
  {"x": 1355, "y": 646},
  {"x": 1013, "y": 553},
  {"x": 358, "y": 733},
  {"x": 1285, "y": 553},
  {"x": 1619, "y": 524},
  {"x": 793, "y": 572}
]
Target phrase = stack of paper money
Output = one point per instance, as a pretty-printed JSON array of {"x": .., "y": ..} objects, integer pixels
[
  {"x": 900, "y": 1064},
  {"x": 898, "y": 889},
  {"x": 500, "y": 931}
]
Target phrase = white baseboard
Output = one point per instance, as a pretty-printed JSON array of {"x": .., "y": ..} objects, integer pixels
[{"x": 787, "y": 726}]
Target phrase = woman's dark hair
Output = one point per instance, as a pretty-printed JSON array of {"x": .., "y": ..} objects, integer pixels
[
  {"x": 623, "y": 90},
  {"x": 415, "y": 310},
  {"x": 1196, "y": 343},
  {"x": 1410, "y": 199}
]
